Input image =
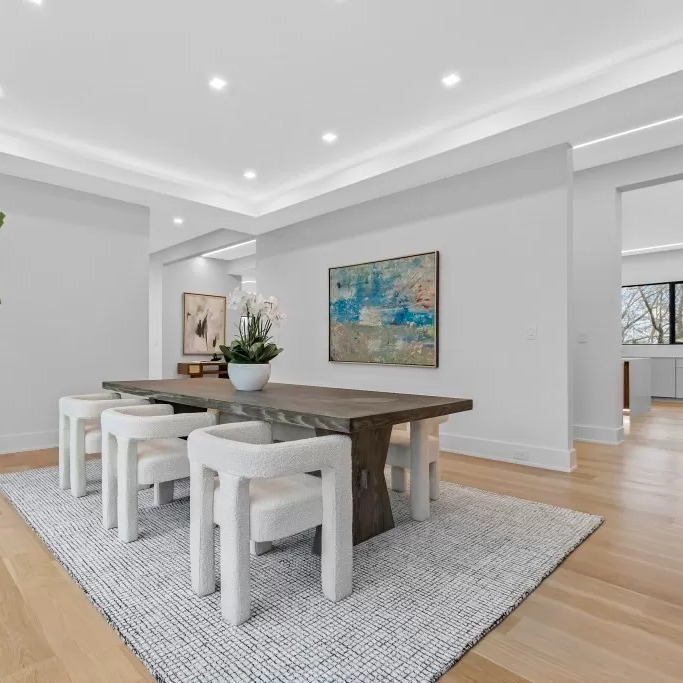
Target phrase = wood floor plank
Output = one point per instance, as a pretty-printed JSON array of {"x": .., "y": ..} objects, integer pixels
[
  {"x": 22, "y": 644},
  {"x": 473, "y": 668},
  {"x": 47, "y": 670},
  {"x": 612, "y": 612},
  {"x": 86, "y": 645}
]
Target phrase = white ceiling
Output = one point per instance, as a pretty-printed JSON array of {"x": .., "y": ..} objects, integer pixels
[
  {"x": 115, "y": 95},
  {"x": 652, "y": 216}
]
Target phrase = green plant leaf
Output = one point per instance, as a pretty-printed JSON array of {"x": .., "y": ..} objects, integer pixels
[{"x": 253, "y": 343}]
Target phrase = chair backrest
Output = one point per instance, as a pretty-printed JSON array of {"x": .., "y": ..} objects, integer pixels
[
  {"x": 91, "y": 406},
  {"x": 244, "y": 450},
  {"x": 152, "y": 421}
]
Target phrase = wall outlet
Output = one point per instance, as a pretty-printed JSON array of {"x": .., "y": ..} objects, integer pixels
[{"x": 521, "y": 455}]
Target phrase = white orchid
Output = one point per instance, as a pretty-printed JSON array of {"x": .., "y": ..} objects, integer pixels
[
  {"x": 254, "y": 305},
  {"x": 257, "y": 316},
  {"x": 273, "y": 310},
  {"x": 236, "y": 300},
  {"x": 258, "y": 306}
]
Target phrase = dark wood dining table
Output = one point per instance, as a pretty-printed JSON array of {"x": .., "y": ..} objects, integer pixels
[{"x": 367, "y": 417}]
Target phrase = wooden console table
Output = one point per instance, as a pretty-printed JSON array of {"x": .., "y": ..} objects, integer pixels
[{"x": 203, "y": 368}]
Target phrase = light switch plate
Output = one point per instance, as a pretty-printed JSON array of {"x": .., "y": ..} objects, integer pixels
[{"x": 532, "y": 333}]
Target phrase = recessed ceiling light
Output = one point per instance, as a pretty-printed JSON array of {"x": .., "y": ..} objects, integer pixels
[
  {"x": 450, "y": 80},
  {"x": 178, "y": 220},
  {"x": 330, "y": 137},
  {"x": 35, "y": 2},
  {"x": 218, "y": 83},
  {"x": 249, "y": 174}
]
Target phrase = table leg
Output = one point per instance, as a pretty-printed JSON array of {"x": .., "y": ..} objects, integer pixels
[
  {"x": 371, "y": 507},
  {"x": 419, "y": 471}
]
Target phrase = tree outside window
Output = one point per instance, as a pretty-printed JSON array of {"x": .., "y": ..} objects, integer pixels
[{"x": 652, "y": 314}]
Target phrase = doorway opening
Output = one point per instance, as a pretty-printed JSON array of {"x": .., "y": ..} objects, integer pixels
[{"x": 651, "y": 217}]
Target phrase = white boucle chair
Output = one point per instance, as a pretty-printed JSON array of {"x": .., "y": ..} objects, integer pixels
[
  {"x": 141, "y": 445},
  {"x": 407, "y": 453},
  {"x": 80, "y": 433},
  {"x": 264, "y": 494}
]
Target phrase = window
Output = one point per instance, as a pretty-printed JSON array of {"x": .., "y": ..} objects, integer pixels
[{"x": 652, "y": 314}]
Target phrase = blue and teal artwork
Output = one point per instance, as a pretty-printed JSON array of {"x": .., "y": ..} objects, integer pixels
[{"x": 386, "y": 311}]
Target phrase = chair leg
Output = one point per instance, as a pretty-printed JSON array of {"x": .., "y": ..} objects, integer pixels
[
  {"x": 202, "y": 551},
  {"x": 64, "y": 468},
  {"x": 127, "y": 480},
  {"x": 163, "y": 493},
  {"x": 260, "y": 547},
  {"x": 419, "y": 471},
  {"x": 336, "y": 556},
  {"x": 235, "y": 536},
  {"x": 434, "y": 483},
  {"x": 109, "y": 493},
  {"x": 398, "y": 478},
  {"x": 77, "y": 456}
]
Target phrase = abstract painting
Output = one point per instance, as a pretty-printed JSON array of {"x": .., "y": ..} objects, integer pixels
[
  {"x": 203, "y": 324},
  {"x": 386, "y": 311}
]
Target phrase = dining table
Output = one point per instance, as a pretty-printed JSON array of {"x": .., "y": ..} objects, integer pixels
[{"x": 367, "y": 417}]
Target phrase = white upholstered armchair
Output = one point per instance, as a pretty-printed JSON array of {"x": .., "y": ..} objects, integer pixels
[
  {"x": 80, "y": 433},
  {"x": 264, "y": 494},
  {"x": 141, "y": 445}
]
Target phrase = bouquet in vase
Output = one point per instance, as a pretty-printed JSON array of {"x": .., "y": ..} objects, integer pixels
[{"x": 254, "y": 343}]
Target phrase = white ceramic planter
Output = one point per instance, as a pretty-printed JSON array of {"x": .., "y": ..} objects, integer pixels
[{"x": 249, "y": 376}]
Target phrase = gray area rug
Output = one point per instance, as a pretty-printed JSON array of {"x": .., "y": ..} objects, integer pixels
[{"x": 424, "y": 593}]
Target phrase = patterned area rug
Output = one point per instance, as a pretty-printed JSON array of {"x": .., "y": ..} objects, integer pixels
[{"x": 424, "y": 593}]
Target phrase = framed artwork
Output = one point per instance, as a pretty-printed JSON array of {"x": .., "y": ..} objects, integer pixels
[
  {"x": 203, "y": 324},
  {"x": 386, "y": 312}
]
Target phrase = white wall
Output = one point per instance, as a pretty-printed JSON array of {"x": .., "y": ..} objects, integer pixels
[
  {"x": 660, "y": 266},
  {"x": 652, "y": 216},
  {"x": 503, "y": 233},
  {"x": 250, "y": 283},
  {"x": 73, "y": 283},
  {"x": 598, "y": 371},
  {"x": 199, "y": 275}
]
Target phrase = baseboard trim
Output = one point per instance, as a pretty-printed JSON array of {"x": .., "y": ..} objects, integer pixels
[
  {"x": 28, "y": 441},
  {"x": 505, "y": 451},
  {"x": 610, "y": 436}
]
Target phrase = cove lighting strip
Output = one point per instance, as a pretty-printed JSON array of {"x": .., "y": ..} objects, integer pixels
[
  {"x": 650, "y": 250},
  {"x": 628, "y": 132},
  {"x": 232, "y": 246}
]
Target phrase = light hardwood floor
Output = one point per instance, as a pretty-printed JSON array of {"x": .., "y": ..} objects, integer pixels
[{"x": 612, "y": 612}]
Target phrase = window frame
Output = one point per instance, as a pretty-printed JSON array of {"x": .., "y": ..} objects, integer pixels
[{"x": 672, "y": 311}]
